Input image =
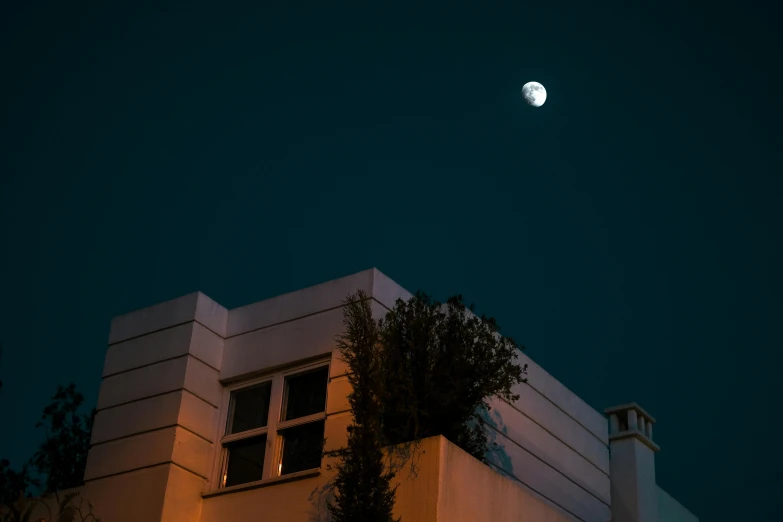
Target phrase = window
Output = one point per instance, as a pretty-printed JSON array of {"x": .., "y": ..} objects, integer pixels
[
  {"x": 275, "y": 426},
  {"x": 301, "y": 430},
  {"x": 247, "y": 460},
  {"x": 249, "y": 408}
]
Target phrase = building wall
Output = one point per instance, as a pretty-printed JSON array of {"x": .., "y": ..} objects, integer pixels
[
  {"x": 438, "y": 483},
  {"x": 297, "y": 326},
  {"x": 155, "y": 428},
  {"x": 469, "y": 491},
  {"x": 160, "y": 417},
  {"x": 551, "y": 441},
  {"x": 554, "y": 444}
]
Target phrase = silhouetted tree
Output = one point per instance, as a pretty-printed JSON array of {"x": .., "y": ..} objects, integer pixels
[
  {"x": 66, "y": 507},
  {"x": 362, "y": 484},
  {"x": 426, "y": 369},
  {"x": 61, "y": 459},
  {"x": 442, "y": 363},
  {"x": 14, "y": 484},
  {"x": 63, "y": 454}
]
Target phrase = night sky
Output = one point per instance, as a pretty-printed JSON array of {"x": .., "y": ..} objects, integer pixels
[{"x": 627, "y": 232}]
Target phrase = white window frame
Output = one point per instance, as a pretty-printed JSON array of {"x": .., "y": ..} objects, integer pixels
[{"x": 274, "y": 446}]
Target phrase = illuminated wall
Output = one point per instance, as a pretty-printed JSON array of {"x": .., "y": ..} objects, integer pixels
[{"x": 160, "y": 442}]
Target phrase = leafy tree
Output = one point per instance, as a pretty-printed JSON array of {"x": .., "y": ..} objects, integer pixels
[
  {"x": 442, "y": 364},
  {"x": 67, "y": 507},
  {"x": 61, "y": 459},
  {"x": 63, "y": 455},
  {"x": 426, "y": 369},
  {"x": 14, "y": 484},
  {"x": 363, "y": 491}
]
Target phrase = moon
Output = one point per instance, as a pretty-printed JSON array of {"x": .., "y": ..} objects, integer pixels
[{"x": 534, "y": 94}]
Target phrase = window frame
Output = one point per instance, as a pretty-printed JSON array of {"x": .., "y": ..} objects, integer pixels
[{"x": 273, "y": 447}]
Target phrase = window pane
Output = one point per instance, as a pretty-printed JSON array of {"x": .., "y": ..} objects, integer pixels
[
  {"x": 306, "y": 394},
  {"x": 245, "y": 461},
  {"x": 302, "y": 447},
  {"x": 249, "y": 408}
]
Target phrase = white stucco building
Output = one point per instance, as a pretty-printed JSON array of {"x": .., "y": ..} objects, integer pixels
[{"x": 208, "y": 414}]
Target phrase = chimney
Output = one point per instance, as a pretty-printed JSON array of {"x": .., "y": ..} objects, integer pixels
[{"x": 632, "y": 464}]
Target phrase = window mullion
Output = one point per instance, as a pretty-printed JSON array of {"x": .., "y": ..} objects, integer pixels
[
  {"x": 301, "y": 420},
  {"x": 275, "y": 403},
  {"x": 243, "y": 435}
]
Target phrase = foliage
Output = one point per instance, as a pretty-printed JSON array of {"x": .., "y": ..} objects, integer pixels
[
  {"x": 362, "y": 484},
  {"x": 63, "y": 454},
  {"x": 69, "y": 507},
  {"x": 14, "y": 484},
  {"x": 442, "y": 364},
  {"x": 425, "y": 369},
  {"x": 61, "y": 459}
]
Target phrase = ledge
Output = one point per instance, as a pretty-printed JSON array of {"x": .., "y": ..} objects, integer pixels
[
  {"x": 629, "y": 406},
  {"x": 263, "y": 483}
]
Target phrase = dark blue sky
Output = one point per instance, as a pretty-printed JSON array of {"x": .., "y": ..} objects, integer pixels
[{"x": 627, "y": 232}]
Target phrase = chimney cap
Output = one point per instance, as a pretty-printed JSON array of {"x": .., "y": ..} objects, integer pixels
[{"x": 630, "y": 406}]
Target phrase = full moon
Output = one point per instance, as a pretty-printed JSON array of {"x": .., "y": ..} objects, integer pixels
[{"x": 534, "y": 94}]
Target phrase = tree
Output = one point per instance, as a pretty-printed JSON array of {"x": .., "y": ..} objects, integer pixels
[
  {"x": 63, "y": 455},
  {"x": 61, "y": 459},
  {"x": 425, "y": 369},
  {"x": 14, "y": 484},
  {"x": 362, "y": 484},
  {"x": 442, "y": 364},
  {"x": 67, "y": 507}
]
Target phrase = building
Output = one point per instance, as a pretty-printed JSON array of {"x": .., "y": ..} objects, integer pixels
[{"x": 207, "y": 414}]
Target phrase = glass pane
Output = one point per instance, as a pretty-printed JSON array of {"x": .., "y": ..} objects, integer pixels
[
  {"x": 245, "y": 461},
  {"x": 249, "y": 408},
  {"x": 306, "y": 394},
  {"x": 302, "y": 447}
]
